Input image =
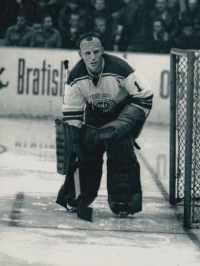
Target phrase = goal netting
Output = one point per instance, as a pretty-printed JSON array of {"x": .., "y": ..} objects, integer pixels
[{"x": 185, "y": 133}]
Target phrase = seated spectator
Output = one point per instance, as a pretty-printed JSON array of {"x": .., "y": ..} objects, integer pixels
[
  {"x": 99, "y": 10},
  {"x": 19, "y": 35},
  {"x": 41, "y": 9},
  {"x": 53, "y": 8},
  {"x": 188, "y": 39},
  {"x": 125, "y": 24},
  {"x": 46, "y": 35},
  {"x": 162, "y": 11},
  {"x": 73, "y": 32},
  {"x": 103, "y": 33},
  {"x": 192, "y": 13},
  {"x": 9, "y": 10},
  {"x": 141, "y": 28},
  {"x": 114, "y": 7},
  {"x": 159, "y": 41},
  {"x": 73, "y": 6},
  {"x": 29, "y": 7}
]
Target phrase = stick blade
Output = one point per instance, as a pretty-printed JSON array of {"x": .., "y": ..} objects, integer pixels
[{"x": 85, "y": 213}]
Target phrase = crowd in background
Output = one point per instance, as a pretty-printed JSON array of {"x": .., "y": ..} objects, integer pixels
[{"x": 152, "y": 26}]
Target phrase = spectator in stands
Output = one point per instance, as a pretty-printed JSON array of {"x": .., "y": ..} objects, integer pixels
[
  {"x": 159, "y": 41},
  {"x": 46, "y": 35},
  {"x": 141, "y": 29},
  {"x": 9, "y": 10},
  {"x": 125, "y": 24},
  {"x": 99, "y": 10},
  {"x": 162, "y": 11},
  {"x": 54, "y": 7},
  {"x": 73, "y": 6},
  {"x": 73, "y": 32},
  {"x": 103, "y": 33},
  {"x": 192, "y": 13},
  {"x": 114, "y": 7},
  {"x": 29, "y": 8},
  {"x": 188, "y": 39},
  {"x": 41, "y": 9},
  {"x": 19, "y": 35}
]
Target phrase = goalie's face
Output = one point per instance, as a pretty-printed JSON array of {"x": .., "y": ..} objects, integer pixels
[{"x": 91, "y": 52}]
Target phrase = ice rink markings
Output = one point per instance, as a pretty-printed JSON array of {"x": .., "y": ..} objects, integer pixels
[
  {"x": 16, "y": 210},
  {"x": 2, "y": 149},
  {"x": 159, "y": 184}
]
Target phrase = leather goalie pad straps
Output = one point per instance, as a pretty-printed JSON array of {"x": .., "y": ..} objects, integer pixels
[{"x": 67, "y": 146}]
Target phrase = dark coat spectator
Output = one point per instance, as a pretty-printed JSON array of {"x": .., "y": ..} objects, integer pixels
[
  {"x": 72, "y": 33},
  {"x": 125, "y": 23},
  {"x": 99, "y": 10},
  {"x": 192, "y": 13},
  {"x": 187, "y": 39},
  {"x": 162, "y": 11},
  {"x": 54, "y": 7},
  {"x": 46, "y": 35},
  {"x": 103, "y": 33},
  {"x": 41, "y": 9},
  {"x": 20, "y": 34},
  {"x": 159, "y": 41},
  {"x": 72, "y": 6},
  {"x": 141, "y": 28},
  {"x": 29, "y": 8},
  {"x": 9, "y": 10}
]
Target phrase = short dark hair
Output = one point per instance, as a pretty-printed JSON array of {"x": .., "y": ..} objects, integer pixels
[{"x": 86, "y": 36}]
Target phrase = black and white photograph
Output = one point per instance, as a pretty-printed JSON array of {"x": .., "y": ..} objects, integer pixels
[{"x": 100, "y": 132}]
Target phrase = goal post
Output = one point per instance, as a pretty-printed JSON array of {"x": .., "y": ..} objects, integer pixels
[{"x": 185, "y": 133}]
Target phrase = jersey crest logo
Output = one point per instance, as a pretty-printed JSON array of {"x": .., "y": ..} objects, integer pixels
[{"x": 103, "y": 101}]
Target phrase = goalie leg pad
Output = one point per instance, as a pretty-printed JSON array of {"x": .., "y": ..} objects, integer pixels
[
  {"x": 123, "y": 177},
  {"x": 90, "y": 167},
  {"x": 66, "y": 193},
  {"x": 67, "y": 146},
  {"x": 90, "y": 170}
]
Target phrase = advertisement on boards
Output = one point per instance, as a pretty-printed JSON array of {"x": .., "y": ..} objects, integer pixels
[{"x": 32, "y": 81}]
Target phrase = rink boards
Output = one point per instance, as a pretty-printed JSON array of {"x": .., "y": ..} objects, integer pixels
[{"x": 32, "y": 81}]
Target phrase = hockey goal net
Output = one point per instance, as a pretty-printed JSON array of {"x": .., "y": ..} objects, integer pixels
[{"x": 185, "y": 133}]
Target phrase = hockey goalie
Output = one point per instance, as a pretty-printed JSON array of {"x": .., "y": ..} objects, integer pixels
[{"x": 105, "y": 106}]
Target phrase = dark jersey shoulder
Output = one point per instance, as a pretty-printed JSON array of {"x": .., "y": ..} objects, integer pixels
[
  {"x": 78, "y": 72},
  {"x": 117, "y": 66}
]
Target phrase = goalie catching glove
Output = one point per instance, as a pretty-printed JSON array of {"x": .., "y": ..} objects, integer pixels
[{"x": 130, "y": 119}]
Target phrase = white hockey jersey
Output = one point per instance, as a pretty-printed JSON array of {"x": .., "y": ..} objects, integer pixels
[{"x": 99, "y": 100}]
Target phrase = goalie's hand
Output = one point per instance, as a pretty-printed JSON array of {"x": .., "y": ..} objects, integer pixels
[{"x": 130, "y": 119}]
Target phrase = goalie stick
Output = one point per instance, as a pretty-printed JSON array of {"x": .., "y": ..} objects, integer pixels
[{"x": 83, "y": 212}]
